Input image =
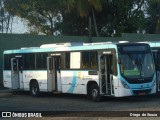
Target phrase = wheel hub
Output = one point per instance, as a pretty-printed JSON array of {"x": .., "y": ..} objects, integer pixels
[
  {"x": 94, "y": 92},
  {"x": 34, "y": 90}
]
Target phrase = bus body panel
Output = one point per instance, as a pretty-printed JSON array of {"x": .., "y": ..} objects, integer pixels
[
  {"x": 7, "y": 79},
  {"x": 136, "y": 89},
  {"x": 116, "y": 85},
  {"x": 75, "y": 81},
  {"x": 123, "y": 92},
  {"x": 40, "y": 76}
]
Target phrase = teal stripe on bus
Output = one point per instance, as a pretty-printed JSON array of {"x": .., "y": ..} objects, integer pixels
[{"x": 74, "y": 81}]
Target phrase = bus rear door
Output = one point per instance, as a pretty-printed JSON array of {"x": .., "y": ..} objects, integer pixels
[
  {"x": 53, "y": 74},
  {"x": 16, "y": 73}
]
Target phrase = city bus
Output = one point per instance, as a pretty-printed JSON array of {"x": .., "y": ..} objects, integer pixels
[
  {"x": 155, "y": 48},
  {"x": 92, "y": 69}
]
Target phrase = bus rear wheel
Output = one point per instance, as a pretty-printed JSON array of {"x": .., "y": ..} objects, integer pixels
[
  {"x": 34, "y": 89},
  {"x": 94, "y": 93}
]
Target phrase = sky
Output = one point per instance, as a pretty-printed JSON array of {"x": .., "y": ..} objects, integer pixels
[{"x": 19, "y": 26}]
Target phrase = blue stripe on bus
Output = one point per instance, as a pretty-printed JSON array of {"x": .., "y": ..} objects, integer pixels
[{"x": 74, "y": 80}]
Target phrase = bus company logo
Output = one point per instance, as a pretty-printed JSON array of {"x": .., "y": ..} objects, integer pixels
[{"x": 6, "y": 114}]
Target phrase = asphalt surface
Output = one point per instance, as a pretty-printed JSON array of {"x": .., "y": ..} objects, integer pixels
[
  {"x": 66, "y": 106},
  {"x": 1, "y": 87},
  {"x": 4, "y": 92}
]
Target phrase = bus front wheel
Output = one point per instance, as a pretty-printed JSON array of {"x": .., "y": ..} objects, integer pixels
[
  {"x": 34, "y": 89},
  {"x": 94, "y": 93}
]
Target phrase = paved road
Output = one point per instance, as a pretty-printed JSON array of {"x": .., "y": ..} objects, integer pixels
[
  {"x": 22, "y": 101},
  {"x": 1, "y": 87}
]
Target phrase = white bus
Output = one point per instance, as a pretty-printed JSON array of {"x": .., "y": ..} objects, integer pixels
[
  {"x": 94, "y": 69},
  {"x": 155, "y": 46}
]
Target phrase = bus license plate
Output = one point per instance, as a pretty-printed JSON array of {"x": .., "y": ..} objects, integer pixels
[{"x": 142, "y": 93}]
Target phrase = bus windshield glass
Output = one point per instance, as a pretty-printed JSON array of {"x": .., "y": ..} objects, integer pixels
[{"x": 136, "y": 65}]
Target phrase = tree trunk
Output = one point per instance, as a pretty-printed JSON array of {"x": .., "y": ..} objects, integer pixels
[
  {"x": 90, "y": 29},
  {"x": 95, "y": 23},
  {"x": 51, "y": 25},
  {"x": 11, "y": 24},
  {"x": 2, "y": 22},
  {"x": 7, "y": 23}
]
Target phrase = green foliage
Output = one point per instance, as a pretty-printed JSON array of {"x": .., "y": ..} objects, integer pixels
[
  {"x": 41, "y": 15},
  {"x": 6, "y": 19},
  {"x": 112, "y": 17},
  {"x": 87, "y": 17},
  {"x": 153, "y": 17}
]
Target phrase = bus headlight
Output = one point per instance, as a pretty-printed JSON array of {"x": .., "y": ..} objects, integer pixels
[
  {"x": 125, "y": 85},
  {"x": 154, "y": 83}
]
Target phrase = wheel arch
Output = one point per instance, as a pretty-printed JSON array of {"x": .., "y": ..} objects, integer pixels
[
  {"x": 89, "y": 84},
  {"x": 32, "y": 81},
  {"x": 34, "y": 88}
]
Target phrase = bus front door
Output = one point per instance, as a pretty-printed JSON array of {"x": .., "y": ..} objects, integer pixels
[
  {"x": 105, "y": 73},
  {"x": 53, "y": 74},
  {"x": 16, "y": 74}
]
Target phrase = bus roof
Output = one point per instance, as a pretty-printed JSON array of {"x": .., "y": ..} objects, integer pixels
[
  {"x": 154, "y": 44},
  {"x": 60, "y": 47}
]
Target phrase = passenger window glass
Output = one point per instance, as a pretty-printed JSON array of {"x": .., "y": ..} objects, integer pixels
[
  {"x": 67, "y": 60},
  {"x": 41, "y": 61},
  {"x": 89, "y": 60},
  {"x": 29, "y": 61},
  {"x": 7, "y": 62}
]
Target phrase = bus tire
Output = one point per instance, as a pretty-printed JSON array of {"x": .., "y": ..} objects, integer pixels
[
  {"x": 34, "y": 89},
  {"x": 94, "y": 93}
]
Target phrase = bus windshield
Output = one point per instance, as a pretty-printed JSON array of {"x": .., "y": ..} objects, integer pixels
[{"x": 136, "y": 65}]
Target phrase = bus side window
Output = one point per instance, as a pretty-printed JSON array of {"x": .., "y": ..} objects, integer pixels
[
  {"x": 50, "y": 64},
  {"x": 15, "y": 65},
  {"x": 7, "y": 62},
  {"x": 67, "y": 60},
  {"x": 89, "y": 60},
  {"x": 114, "y": 64},
  {"x": 41, "y": 60},
  {"x": 102, "y": 65},
  {"x": 29, "y": 61}
]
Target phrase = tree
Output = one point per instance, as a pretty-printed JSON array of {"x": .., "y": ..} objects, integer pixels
[
  {"x": 153, "y": 17},
  {"x": 111, "y": 18},
  {"x": 84, "y": 8},
  {"x": 80, "y": 17},
  {"x": 121, "y": 17},
  {"x": 40, "y": 14},
  {"x": 6, "y": 19}
]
